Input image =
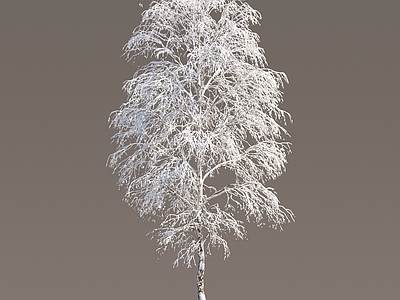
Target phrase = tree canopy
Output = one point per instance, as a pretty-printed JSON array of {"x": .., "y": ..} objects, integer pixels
[{"x": 205, "y": 102}]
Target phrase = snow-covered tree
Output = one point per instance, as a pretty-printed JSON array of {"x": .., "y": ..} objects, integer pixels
[{"x": 205, "y": 103}]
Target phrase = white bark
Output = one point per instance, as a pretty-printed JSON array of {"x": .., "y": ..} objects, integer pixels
[
  {"x": 201, "y": 267},
  {"x": 202, "y": 296}
]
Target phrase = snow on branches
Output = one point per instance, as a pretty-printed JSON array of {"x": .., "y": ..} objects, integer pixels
[{"x": 205, "y": 102}]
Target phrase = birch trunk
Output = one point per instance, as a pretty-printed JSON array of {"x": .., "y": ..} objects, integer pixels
[
  {"x": 202, "y": 257},
  {"x": 201, "y": 267}
]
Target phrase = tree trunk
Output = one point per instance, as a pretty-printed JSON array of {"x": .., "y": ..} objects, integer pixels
[{"x": 201, "y": 267}]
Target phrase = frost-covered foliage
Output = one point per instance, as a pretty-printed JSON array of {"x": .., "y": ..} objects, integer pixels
[{"x": 205, "y": 102}]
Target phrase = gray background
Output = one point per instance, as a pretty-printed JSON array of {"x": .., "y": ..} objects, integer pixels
[{"x": 65, "y": 233}]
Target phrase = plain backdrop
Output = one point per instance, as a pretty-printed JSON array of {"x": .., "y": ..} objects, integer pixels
[{"x": 64, "y": 231}]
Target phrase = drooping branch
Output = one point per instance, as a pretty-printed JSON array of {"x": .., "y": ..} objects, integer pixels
[{"x": 205, "y": 102}]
